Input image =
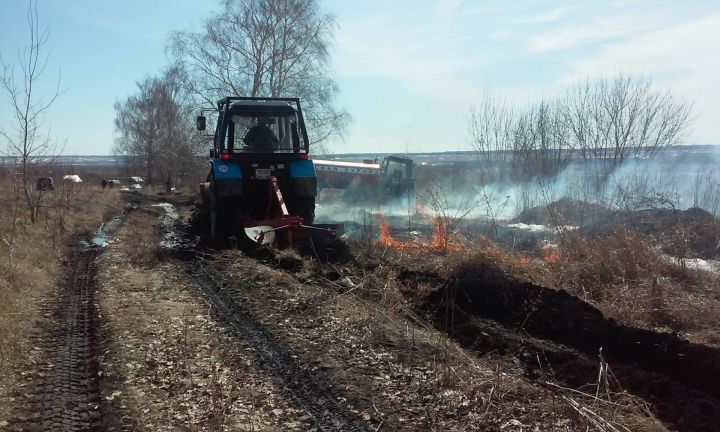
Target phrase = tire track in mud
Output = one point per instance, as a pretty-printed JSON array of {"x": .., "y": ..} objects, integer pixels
[
  {"x": 327, "y": 414},
  {"x": 67, "y": 397},
  {"x": 275, "y": 359}
]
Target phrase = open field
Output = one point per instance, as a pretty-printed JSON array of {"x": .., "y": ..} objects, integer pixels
[
  {"x": 413, "y": 324},
  {"x": 526, "y": 237}
]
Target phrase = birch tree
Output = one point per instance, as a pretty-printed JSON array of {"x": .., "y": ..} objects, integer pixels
[
  {"x": 265, "y": 48},
  {"x": 154, "y": 130}
]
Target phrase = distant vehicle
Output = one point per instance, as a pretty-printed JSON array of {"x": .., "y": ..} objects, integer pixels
[
  {"x": 72, "y": 178},
  {"x": 134, "y": 188},
  {"x": 392, "y": 178},
  {"x": 45, "y": 184}
]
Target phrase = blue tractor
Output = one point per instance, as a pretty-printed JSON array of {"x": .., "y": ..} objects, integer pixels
[{"x": 261, "y": 180}]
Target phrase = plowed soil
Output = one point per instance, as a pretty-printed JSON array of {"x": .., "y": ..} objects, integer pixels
[
  {"x": 479, "y": 303},
  {"x": 196, "y": 338}
]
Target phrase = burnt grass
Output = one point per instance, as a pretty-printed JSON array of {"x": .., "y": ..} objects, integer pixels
[
  {"x": 555, "y": 333},
  {"x": 556, "y": 336}
]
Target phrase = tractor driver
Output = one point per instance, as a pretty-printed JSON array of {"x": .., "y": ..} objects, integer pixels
[{"x": 260, "y": 136}]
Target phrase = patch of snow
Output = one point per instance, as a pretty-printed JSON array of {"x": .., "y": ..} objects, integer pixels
[
  {"x": 712, "y": 266},
  {"x": 172, "y": 235},
  {"x": 541, "y": 228},
  {"x": 529, "y": 227},
  {"x": 169, "y": 208}
]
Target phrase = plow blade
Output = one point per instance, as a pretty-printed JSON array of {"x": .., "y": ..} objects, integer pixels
[
  {"x": 317, "y": 235},
  {"x": 262, "y": 234}
]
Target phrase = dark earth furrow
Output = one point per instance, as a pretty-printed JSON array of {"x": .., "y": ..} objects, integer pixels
[{"x": 558, "y": 335}]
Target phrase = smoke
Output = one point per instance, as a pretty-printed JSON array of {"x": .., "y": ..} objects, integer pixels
[
  {"x": 679, "y": 178},
  {"x": 339, "y": 208}
]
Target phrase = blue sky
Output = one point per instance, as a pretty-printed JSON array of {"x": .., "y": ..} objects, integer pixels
[{"x": 408, "y": 71}]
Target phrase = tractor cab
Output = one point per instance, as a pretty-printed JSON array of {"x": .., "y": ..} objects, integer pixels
[
  {"x": 397, "y": 176},
  {"x": 258, "y": 126}
]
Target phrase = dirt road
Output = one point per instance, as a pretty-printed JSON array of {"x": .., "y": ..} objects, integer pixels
[{"x": 151, "y": 333}]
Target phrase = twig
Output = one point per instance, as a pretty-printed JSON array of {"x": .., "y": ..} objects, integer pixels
[
  {"x": 382, "y": 418},
  {"x": 583, "y": 394}
]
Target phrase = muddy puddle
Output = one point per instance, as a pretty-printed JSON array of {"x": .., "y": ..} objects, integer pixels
[{"x": 102, "y": 237}]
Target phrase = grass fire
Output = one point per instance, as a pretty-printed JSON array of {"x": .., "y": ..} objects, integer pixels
[{"x": 307, "y": 215}]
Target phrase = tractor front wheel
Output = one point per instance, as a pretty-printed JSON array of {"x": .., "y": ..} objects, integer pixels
[{"x": 213, "y": 228}]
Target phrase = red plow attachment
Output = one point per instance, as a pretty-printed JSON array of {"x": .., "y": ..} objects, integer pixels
[{"x": 280, "y": 221}]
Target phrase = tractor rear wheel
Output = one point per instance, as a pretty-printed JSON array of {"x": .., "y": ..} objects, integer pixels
[{"x": 305, "y": 208}]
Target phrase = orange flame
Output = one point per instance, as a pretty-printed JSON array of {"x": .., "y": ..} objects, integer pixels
[
  {"x": 550, "y": 254},
  {"x": 386, "y": 239},
  {"x": 440, "y": 239},
  {"x": 441, "y": 234}
]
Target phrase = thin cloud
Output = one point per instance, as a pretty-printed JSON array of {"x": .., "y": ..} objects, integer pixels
[
  {"x": 543, "y": 18},
  {"x": 523, "y": 51},
  {"x": 597, "y": 31},
  {"x": 448, "y": 6},
  {"x": 678, "y": 57}
]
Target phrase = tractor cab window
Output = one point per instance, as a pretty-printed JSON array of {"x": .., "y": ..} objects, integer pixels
[
  {"x": 395, "y": 168},
  {"x": 263, "y": 134},
  {"x": 395, "y": 175}
]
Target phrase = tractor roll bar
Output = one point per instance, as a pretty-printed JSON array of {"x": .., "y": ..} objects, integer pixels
[{"x": 225, "y": 103}]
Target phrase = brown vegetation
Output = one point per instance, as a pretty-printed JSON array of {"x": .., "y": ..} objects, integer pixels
[
  {"x": 621, "y": 275},
  {"x": 31, "y": 260},
  {"x": 369, "y": 314},
  {"x": 634, "y": 283}
]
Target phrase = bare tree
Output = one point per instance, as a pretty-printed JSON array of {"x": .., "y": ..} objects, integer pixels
[
  {"x": 265, "y": 48},
  {"x": 519, "y": 144},
  {"x": 27, "y": 137},
  {"x": 154, "y": 129},
  {"x": 603, "y": 120},
  {"x": 491, "y": 131},
  {"x": 540, "y": 145},
  {"x": 611, "y": 118}
]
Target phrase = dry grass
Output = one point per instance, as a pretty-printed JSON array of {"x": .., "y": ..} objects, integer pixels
[
  {"x": 373, "y": 302},
  {"x": 31, "y": 259},
  {"x": 621, "y": 274},
  {"x": 632, "y": 282}
]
